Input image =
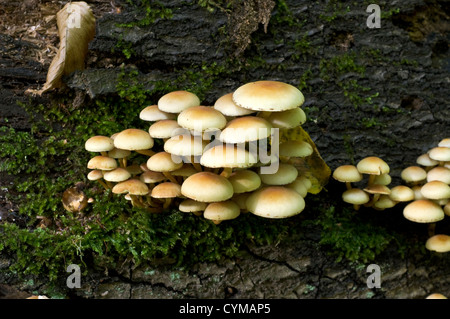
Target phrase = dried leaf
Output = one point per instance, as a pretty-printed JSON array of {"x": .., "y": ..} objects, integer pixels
[{"x": 76, "y": 28}]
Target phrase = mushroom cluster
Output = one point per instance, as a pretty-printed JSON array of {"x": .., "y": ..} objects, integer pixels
[
  {"x": 426, "y": 188},
  {"x": 216, "y": 161}
]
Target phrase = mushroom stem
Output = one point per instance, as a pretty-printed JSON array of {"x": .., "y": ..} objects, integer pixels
[
  {"x": 103, "y": 184},
  {"x": 154, "y": 209},
  {"x": 374, "y": 199},
  {"x": 371, "y": 179},
  {"x": 196, "y": 165},
  {"x": 356, "y": 207},
  {"x": 264, "y": 114},
  {"x": 217, "y": 222},
  {"x": 226, "y": 172},
  {"x": 167, "y": 203},
  {"x": 170, "y": 177},
  {"x": 135, "y": 201},
  {"x": 109, "y": 184},
  {"x": 104, "y": 154},
  {"x": 348, "y": 185}
]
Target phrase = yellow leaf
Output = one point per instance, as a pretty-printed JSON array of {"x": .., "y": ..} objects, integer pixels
[
  {"x": 76, "y": 28},
  {"x": 313, "y": 166}
]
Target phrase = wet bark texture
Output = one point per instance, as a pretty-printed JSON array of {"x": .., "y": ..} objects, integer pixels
[{"x": 407, "y": 68}]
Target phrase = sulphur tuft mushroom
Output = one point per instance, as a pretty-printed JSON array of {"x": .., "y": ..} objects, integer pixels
[
  {"x": 347, "y": 174},
  {"x": 439, "y": 243},
  {"x": 220, "y": 211}
]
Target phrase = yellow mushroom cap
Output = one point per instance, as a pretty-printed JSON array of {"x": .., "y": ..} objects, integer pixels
[
  {"x": 440, "y": 153},
  {"x": 445, "y": 142},
  {"x": 439, "y": 173},
  {"x": 272, "y": 96},
  {"x": 152, "y": 114},
  {"x": 118, "y": 153},
  {"x": 377, "y": 189},
  {"x": 118, "y": 174},
  {"x": 185, "y": 171},
  {"x": 244, "y": 181},
  {"x": 131, "y": 186},
  {"x": 347, "y": 173},
  {"x": 436, "y": 296},
  {"x": 275, "y": 202},
  {"x": 227, "y": 155},
  {"x": 99, "y": 143},
  {"x": 402, "y": 193},
  {"x": 207, "y": 187},
  {"x": 164, "y": 162},
  {"x": 103, "y": 163},
  {"x": 220, "y": 211},
  {"x": 439, "y": 243},
  {"x": 190, "y": 206},
  {"x": 285, "y": 174},
  {"x": 133, "y": 139},
  {"x": 384, "y": 202},
  {"x": 287, "y": 119},
  {"x": 202, "y": 118},
  {"x": 435, "y": 190},
  {"x": 423, "y": 211},
  {"x": 151, "y": 177},
  {"x": 413, "y": 174},
  {"x": 166, "y": 190},
  {"x": 185, "y": 145},
  {"x": 372, "y": 165},
  {"x": 425, "y": 160},
  {"x": 164, "y": 129},
  {"x": 295, "y": 148},
  {"x": 95, "y": 175},
  {"x": 447, "y": 209},
  {"x": 177, "y": 101},
  {"x": 355, "y": 196},
  {"x": 299, "y": 186},
  {"x": 245, "y": 129},
  {"x": 227, "y": 107}
]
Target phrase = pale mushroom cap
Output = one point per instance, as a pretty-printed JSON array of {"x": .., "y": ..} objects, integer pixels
[
  {"x": 227, "y": 155},
  {"x": 447, "y": 209},
  {"x": 295, "y": 148},
  {"x": 185, "y": 171},
  {"x": 305, "y": 180},
  {"x": 355, "y": 196},
  {"x": 435, "y": 190},
  {"x": 164, "y": 162},
  {"x": 287, "y": 119},
  {"x": 417, "y": 193},
  {"x": 166, "y": 190},
  {"x": 207, "y": 187},
  {"x": 275, "y": 202},
  {"x": 347, "y": 173},
  {"x": 117, "y": 175},
  {"x": 227, "y": 107},
  {"x": 133, "y": 139},
  {"x": 244, "y": 129},
  {"x": 99, "y": 143},
  {"x": 285, "y": 174},
  {"x": 164, "y": 129},
  {"x": 383, "y": 179},
  {"x": 299, "y": 186},
  {"x": 177, "y": 101},
  {"x": 190, "y": 206},
  {"x": 151, "y": 177},
  {"x": 185, "y": 145},
  {"x": 118, "y": 153},
  {"x": 377, "y": 189},
  {"x": 103, "y": 163},
  {"x": 152, "y": 114},
  {"x": 413, "y": 174},
  {"x": 219, "y": 211},
  {"x": 384, "y": 202},
  {"x": 439, "y": 173},
  {"x": 439, "y": 243},
  {"x": 202, "y": 118},
  {"x": 439, "y": 153},
  {"x": 131, "y": 186},
  {"x": 423, "y": 211},
  {"x": 95, "y": 175},
  {"x": 244, "y": 181},
  {"x": 241, "y": 200},
  {"x": 402, "y": 193},
  {"x": 444, "y": 142},
  {"x": 271, "y": 96},
  {"x": 436, "y": 296},
  {"x": 373, "y": 165},
  {"x": 425, "y": 160}
]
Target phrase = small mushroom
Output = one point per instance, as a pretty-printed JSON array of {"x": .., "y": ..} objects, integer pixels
[
  {"x": 347, "y": 174},
  {"x": 372, "y": 166},
  {"x": 207, "y": 187},
  {"x": 439, "y": 243},
  {"x": 355, "y": 196},
  {"x": 220, "y": 211}
]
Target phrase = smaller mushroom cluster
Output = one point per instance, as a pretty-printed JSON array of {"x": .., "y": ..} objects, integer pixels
[
  {"x": 426, "y": 188},
  {"x": 212, "y": 161}
]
